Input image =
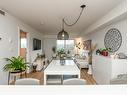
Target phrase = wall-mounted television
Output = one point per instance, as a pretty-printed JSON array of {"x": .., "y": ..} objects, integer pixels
[{"x": 36, "y": 44}]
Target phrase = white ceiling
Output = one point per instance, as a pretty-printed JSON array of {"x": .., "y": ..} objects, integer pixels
[{"x": 46, "y": 15}]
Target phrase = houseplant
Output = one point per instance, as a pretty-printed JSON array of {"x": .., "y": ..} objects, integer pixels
[
  {"x": 68, "y": 54},
  {"x": 105, "y": 51},
  {"x": 62, "y": 55},
  {"x": 54, "y": 49},
  {"x": 15, "y": 64},
  {"x": 54, "y": 52}
]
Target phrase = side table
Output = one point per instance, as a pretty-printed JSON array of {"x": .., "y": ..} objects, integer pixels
[{"x": 15, "y": 74}]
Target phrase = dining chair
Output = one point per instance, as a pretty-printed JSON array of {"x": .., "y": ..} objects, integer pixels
[
  {"x": 27, "y": 81},
  {"x": 74, "y": 81}
]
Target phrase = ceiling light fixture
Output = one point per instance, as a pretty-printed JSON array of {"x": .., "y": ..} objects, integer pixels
[{"x": 63, "y": 35}]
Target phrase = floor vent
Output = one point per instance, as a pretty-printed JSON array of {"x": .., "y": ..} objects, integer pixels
[{"x": 2, "y": 12}]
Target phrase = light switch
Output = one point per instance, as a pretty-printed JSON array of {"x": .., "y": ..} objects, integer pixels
[
  {"x": 10, "y": 49},
  {"x": 10, "y": 40}
]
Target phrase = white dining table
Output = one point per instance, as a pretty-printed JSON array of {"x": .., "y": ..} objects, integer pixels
[{"x": 55, "y": 68}]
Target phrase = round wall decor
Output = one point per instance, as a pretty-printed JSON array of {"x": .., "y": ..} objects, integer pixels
[{"x": 113, "y": 39}]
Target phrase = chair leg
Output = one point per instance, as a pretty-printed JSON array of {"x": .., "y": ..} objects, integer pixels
[
  {"x": 14, "y": 78},
  {"x": 62, "y": 79},
  {"x": 8, "y": 78}
]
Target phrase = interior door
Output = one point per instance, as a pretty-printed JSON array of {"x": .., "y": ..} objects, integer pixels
[{"x": 23, "y": 44}]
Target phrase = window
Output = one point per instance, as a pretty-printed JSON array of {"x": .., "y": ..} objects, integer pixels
[
  {"x": 23, "y": 43},
  {"x": 60, "y": 44},
  {"x": 65, "y": 44}
]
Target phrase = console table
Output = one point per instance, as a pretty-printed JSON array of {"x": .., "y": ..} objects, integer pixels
[{"x": 15, "y": 74}]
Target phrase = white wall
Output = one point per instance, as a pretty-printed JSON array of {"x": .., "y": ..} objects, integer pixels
[
  {"x": 9, "y": 30},
  {"x": 98, "y": 36},
  {"x": 114, "y": 15},
  {"x": 48, "y": 44}
]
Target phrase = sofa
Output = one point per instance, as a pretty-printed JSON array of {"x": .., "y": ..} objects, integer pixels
[
  {"x": 82, "y": 59},
  {"x": 82, "y": 63}
]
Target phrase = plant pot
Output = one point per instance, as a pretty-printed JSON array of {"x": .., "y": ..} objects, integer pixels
[
  {"x": 90, "y": 70},
  {"x": 105, "y": 53},
  {"x": 101, "y": 53},
  {"x": 17, "y": 71}
]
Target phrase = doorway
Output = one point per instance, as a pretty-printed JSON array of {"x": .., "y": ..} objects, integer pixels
[{"x": 23, "y": 44}]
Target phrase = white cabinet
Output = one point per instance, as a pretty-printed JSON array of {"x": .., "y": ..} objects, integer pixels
[
  {"x": 106, "y": 68},
  {"x": 101, "y": 69}
]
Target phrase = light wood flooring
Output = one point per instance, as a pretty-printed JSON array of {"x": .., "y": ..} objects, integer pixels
[{"x": 84, "y": 75}]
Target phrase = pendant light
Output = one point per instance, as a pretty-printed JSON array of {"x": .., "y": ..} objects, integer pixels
[{"x": 63, "y": 35}]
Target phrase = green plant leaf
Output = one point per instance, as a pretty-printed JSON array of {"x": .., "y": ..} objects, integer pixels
[{"x": 15, "y": 63}]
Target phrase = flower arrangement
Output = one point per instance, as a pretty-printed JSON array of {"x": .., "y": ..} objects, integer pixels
[{"x": 61, "y": 53}]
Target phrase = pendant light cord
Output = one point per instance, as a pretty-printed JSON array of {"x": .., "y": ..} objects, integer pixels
[
  {"x": 83, "y": 6},
  {"x": 63, "y": 24}
]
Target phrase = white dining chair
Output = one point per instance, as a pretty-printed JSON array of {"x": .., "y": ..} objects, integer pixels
[
  {"x": 27, "y": 81},
  {"x": 74, "y": 81}
]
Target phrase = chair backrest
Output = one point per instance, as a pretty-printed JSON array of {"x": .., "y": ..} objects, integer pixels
[
  {"x": 74, "y": 81},
  {"x": 27, "y": 81}
]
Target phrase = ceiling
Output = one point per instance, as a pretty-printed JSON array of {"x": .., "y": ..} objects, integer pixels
[{"x": 46, "y": 15}]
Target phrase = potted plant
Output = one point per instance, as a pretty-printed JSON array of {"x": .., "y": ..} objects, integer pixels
[
  {"x": 68, "y": 54},
  {"x": 62, "y": 55},
  {"x": 54, "y": 49},
  {"x": 15, "y": 65},
  {"x": 105, "y": 51},
  {"x": 54, "y": 52}
]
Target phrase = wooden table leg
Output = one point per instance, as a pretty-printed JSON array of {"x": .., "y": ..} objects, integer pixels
[
  {"x": 14, "y": 78},
  {"x": 25, "y": 75}
]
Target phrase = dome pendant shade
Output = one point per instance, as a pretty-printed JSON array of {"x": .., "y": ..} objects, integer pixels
[{"x": 63, "y": 35}]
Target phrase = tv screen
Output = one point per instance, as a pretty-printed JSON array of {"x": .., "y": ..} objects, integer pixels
[{"x": 36, "y": 44}]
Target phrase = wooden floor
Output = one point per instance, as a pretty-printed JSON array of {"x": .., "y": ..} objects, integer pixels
[
  {"x": 84, "y": 75},
  {"x": 87, "y": 77}
]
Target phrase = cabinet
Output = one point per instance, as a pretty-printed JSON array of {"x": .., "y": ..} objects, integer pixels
[{"x": 106, "y": 68}]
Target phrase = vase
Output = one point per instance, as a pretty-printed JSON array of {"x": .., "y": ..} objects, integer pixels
[
  {"x": 62, "y": 61},
  {"x": 90, "y": 70},
  {"x": 105, "y": 53}
]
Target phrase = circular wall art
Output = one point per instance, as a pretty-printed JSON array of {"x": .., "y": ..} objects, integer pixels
[{"x": 113, "y": 39}]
